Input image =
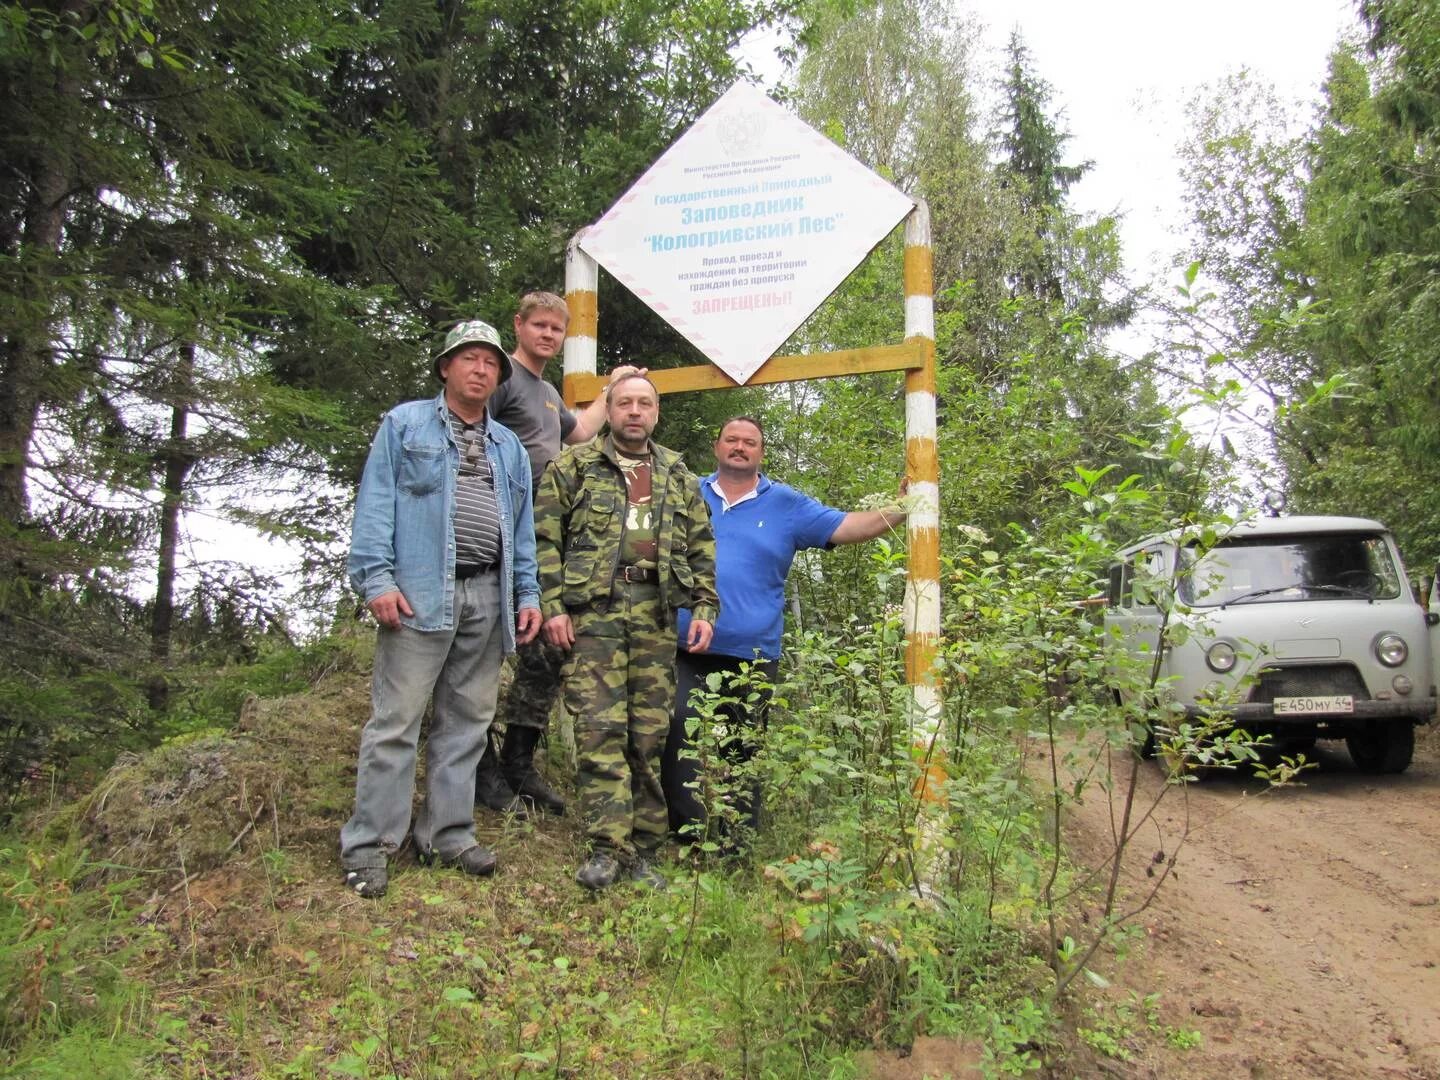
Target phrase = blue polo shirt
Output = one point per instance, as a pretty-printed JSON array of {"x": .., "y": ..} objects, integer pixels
[{"x": 755, "y": 543}]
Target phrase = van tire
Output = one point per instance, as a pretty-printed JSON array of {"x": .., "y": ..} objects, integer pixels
[{"x": 1388, "y": 748}]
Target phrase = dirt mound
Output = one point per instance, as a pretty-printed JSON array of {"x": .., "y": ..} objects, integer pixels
[
  {"x": 183, "y": 809},
  {"x": 234, "y": 838}
]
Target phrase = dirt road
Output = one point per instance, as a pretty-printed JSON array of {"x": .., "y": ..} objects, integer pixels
[{"x": 1300, "y": 933}]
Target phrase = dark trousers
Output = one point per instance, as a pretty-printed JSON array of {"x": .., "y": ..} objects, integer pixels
[
  {"x": 743, "y": 720},
  {"x": 535, "y": 687}
]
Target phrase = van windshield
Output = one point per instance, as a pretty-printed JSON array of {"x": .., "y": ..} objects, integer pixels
[{"x": 1284, "y": 569}]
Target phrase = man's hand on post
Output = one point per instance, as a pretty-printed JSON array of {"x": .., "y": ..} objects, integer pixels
[
  {"x": 527, "y": 625},
  {"x": 559, "y": 631},
  {"x": 388, "y": 608},
  {"x": 698, "y": 639}
]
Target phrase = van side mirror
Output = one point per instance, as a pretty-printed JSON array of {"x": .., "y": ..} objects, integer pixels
[{"x": 1432, "y": 618}]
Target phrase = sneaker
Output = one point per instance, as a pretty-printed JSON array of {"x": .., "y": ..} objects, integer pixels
[
  {"x": 368, "y": 881},
  {"x": 598, "y": 872},
  {"x": 644, "y": 874},
  {"x": 474, "y": 860}
]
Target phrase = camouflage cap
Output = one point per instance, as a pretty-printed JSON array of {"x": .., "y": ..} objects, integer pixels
[{"x": 473, "y": 332}]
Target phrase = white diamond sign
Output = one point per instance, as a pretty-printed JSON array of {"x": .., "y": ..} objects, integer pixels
[{"x": 743, "y": 227}]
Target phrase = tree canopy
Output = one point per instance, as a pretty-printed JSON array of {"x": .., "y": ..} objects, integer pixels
[
  {"x": 1321, "y": 247},
  {"x": 230, "y": 235}
]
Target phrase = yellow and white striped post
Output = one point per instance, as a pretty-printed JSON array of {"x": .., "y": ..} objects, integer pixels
[
  {"x": 922, "y": 468},
  {"x": 582, "y": 297}
]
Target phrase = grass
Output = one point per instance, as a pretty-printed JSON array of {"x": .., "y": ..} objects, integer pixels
[
  {"x": 197, "y": 928},
  {"x": 526, "y": 973}
]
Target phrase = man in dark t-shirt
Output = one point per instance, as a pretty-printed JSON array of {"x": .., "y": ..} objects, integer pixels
[{"x": 532, "y": 408}]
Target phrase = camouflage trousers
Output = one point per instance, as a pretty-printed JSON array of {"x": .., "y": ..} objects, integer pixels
[
  {"x": 619, "y": 686},
  {"x": 535, "y": 687}
]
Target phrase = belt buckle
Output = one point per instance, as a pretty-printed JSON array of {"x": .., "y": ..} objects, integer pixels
[{"x": 625, "y": 575}]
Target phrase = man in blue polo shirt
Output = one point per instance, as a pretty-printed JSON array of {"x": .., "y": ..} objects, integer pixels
[{"x": 759, "y": 526}]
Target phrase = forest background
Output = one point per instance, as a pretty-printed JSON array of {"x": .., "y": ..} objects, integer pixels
[{"x": 231, "y": 236}]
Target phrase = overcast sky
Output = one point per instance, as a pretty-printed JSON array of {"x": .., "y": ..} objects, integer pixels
[{"x": 1122, "y": 71}]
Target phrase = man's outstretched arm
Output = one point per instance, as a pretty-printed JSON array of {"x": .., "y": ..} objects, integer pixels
[{"x": 861, "y": 525}]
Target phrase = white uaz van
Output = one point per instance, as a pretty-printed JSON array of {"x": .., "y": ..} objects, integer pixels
[{"x": 1301, "y": 628}]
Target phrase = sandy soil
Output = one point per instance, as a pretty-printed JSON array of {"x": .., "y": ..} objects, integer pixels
[{"x": 1300, "y": 931}]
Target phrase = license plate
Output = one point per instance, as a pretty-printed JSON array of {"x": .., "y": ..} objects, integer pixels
[{"x": 1334, "y": 703}]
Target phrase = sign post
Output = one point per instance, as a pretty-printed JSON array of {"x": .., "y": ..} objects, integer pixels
[
  {"x": 735, "y": 236},
  {"x": 743, "y": 227}
]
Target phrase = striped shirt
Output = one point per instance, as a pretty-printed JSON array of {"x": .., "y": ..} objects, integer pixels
[{"x": 477, "y": 517}]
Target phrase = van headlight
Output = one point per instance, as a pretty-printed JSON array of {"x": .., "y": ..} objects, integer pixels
[
  {"x": 1391, "y": 650},
  {"x": 1220, "y": 657}
]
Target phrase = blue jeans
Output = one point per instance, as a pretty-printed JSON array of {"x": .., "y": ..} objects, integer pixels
[{"x": 461, "y": 668}]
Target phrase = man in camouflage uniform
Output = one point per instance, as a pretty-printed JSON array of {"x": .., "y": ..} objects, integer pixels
[{"x": 623, "y": 542}]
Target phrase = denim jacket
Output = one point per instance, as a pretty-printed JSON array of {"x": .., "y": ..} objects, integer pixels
[{"x": 404, "y": 534}]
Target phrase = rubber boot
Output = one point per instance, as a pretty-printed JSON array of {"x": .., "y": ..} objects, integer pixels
[
  {"x": 491, "y": 790},
  {"x": 517, "y": 761}
]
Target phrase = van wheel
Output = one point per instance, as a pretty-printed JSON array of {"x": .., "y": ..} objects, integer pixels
[{"x": 1388, "y": 747}]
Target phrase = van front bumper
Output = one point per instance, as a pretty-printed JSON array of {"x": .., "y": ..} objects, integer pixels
[{"x": 1417, "y": 711}]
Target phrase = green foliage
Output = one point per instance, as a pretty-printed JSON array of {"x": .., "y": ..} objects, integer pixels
[
  {"x": 64, "y": 995},
  {"x": 207, "y": 695},
  {"x": 78, "y": 689},
  {"x": 71, "y": 690},
  {"x": 231, "y": 235},
  {"x": 1032, "y": 142},
  {"x": 1113, "y": 1028},
  {"x": 1320, "y": 248},
  {"x": 1026, "y": 386}
]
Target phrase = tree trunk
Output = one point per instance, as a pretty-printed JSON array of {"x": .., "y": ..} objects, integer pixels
[
  {"x": 26, "y": 354},
  {"x": 177, "y": 459},
  {"x": 25, "y": 357}
]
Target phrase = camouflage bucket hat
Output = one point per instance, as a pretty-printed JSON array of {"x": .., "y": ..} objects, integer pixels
[{"x": 473, "y": 332}]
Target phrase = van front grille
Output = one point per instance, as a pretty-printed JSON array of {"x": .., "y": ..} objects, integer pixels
[{"x": 1309, "y": 680}]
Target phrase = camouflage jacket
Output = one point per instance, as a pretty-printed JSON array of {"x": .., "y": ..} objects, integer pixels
[{"x": 580, "y": 520}]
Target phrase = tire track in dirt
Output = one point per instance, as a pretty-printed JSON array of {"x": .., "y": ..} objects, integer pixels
[{"x": 1300, "y": 932}]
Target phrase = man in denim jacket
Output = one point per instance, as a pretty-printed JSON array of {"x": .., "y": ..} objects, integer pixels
[{"x": 443, "y": 551}]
